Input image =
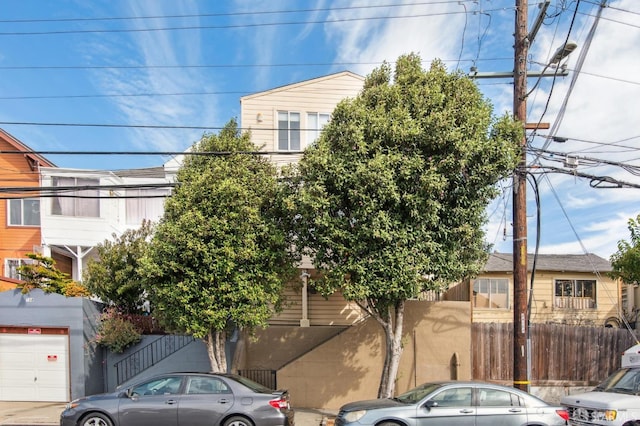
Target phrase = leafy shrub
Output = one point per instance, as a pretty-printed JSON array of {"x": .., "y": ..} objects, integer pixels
[{"x": 115, "y": 332}]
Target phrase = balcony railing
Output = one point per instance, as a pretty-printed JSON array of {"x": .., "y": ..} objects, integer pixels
[{"x": 569, "y": 302}]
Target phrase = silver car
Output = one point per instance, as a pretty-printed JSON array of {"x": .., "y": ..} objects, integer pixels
[
  {"x": 184, "y": 399},
  {"x": 454, "y": 403}
]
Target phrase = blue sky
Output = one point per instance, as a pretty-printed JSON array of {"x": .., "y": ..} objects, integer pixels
[{"x": 187, "y": 63}]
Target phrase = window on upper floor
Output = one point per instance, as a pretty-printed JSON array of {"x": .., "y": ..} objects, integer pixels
[
  {"x": 315, "y": 123},
  {"x": 492, "y": 293},
  {"x": 575, "y": 294},
  {"x": 288, "y": 131},
  {"x": 11, "y": 267},
  {"x": 72, "y": 202},
  {"x": 24, "y": 212},
  {"x": 145, "y": 204}
]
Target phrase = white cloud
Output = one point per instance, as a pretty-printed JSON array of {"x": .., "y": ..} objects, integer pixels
[
  {"x": 376, "y": 40},
  {"x": 153, "y": 49}
]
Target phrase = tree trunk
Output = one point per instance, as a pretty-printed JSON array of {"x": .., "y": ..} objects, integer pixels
[
  {"x": 216, "y": 341},
  {"x": 392, "y": 327}
]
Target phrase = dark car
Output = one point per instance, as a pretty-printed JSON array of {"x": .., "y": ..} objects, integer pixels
[
  {"x": 454, "y": 403},
  {"x": 184, "y": 399}
]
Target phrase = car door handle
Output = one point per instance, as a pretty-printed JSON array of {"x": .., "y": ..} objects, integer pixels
[
  {"x": 466, "y": 411},
  {"x": 515, "y": 410},
  {"x": 170, "y": 401},
  {"x": 223, "y": 401}
]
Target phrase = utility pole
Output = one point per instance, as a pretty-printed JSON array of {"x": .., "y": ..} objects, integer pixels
[
  {"x": 520, "y": 323},
  {"x": 523, "y": 39}
]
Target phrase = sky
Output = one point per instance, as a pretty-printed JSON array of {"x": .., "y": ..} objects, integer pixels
[{"x": 152, "y": 76}]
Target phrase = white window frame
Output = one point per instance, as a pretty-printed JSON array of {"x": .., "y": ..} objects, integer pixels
[
  {"x": 70, "y": 203},
  {"x": 491, "y": 296},
  {"x": 11, "y": 205},
  {"x": 573, "y": 297},
  {"x": 315, "y": 123},
  {"x": 11, "y": 266},
  {"x": 291, "y": 132}
]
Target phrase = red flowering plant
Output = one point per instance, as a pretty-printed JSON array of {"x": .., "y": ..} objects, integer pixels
[{"x": 115, "y": 332}]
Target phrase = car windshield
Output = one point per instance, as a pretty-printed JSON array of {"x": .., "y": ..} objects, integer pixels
[
  {"x": 625, "y": 380},
  {"x": 416, "y": 394}
]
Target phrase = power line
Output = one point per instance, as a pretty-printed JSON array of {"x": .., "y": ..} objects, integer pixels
[
  {"x": 622, "y": 80},
  {"x": 600, "y": 182},
  {"x": 229, "y": 14},
  {"x": 165, "y": 153},
  {"x": 180, "y": 66},
  {"x": 583, "y": 160},
  {"x": 129, "y": 126},
  {"x": 237, "y": 26},
  {"x": 617, "y": 144},
  {"x": 611, "y": 20}
]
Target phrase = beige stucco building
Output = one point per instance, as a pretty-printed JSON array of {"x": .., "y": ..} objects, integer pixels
[
  {"x": 285, "y": 120},
  {"x": 567, "y": 289},
  {"x": 326, "y": 351}
]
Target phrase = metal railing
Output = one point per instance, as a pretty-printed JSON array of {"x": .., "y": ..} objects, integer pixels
[
  {"x": 149, "y": 355},
  {"x": 264, "y": 377}
]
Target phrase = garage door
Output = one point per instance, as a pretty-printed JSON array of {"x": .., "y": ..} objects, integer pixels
[{"x": 34, "y": 365}]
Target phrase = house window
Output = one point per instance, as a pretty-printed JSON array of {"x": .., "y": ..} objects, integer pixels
[
  {"x": 145, "y": 204},
  {"x": 71, "y": 202},
  {"x": 315, "y": 123},
  {"x": 24, "y": 212},
  {"x": 11, "y": 267},
  {"x": 288, "y": 131},
  {"x": 575, "y": 294},
  {"x": 492, "y": 293}
]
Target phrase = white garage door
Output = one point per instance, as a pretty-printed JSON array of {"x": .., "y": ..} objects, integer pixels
[{"x": 34, "y": 366}]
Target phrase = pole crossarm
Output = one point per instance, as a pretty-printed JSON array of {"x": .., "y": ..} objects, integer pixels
[{"x": 561, "y": 72}]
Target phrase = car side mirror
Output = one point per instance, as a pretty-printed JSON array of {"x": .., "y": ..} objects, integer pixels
[{"x": 430, "y": 404}]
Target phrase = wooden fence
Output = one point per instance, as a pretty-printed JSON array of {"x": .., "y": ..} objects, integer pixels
[{"x": 581, "y": 356}]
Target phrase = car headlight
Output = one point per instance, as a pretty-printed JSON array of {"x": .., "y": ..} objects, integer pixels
[
  {"x": 354, "y": 416},
  {"x": 73, "y": 404}
]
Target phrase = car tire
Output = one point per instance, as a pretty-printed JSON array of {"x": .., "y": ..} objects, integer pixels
[
  {"x": 388, "y": 423},
  {"x": 96, "y": 419},
  {"x": 237, "y": 421}
]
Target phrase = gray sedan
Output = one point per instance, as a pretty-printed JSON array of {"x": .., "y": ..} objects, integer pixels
[
  {"x": 454, "y": 403},
  {"x": 181, "y": 399}
]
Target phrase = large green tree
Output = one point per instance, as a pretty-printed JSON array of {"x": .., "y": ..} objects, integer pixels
[
  {"x": 220, "y": 257},
  {"x": 114, "y": 275},
  {"x": 391, "y": 200},
  {"x": 625, "y": 263}
]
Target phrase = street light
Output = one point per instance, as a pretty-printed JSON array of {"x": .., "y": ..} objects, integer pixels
[{"x": 563, "y": 51}]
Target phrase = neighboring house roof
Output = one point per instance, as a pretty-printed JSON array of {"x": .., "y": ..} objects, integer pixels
[
  {"x": 503, "y": 262},
  {"x": 148, "y": 172},
  {"x": 302, "y": 83},
  {"x": 36, "y": 158}
]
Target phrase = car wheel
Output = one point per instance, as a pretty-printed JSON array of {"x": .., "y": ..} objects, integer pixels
[
  {"x": 388, "y": 424},
  {"x": 96, "y": 419},
  {"x": 237, "y": 421}
]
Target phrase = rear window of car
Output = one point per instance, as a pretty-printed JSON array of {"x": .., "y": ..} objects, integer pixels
[{"x": 254, "y": 386}]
